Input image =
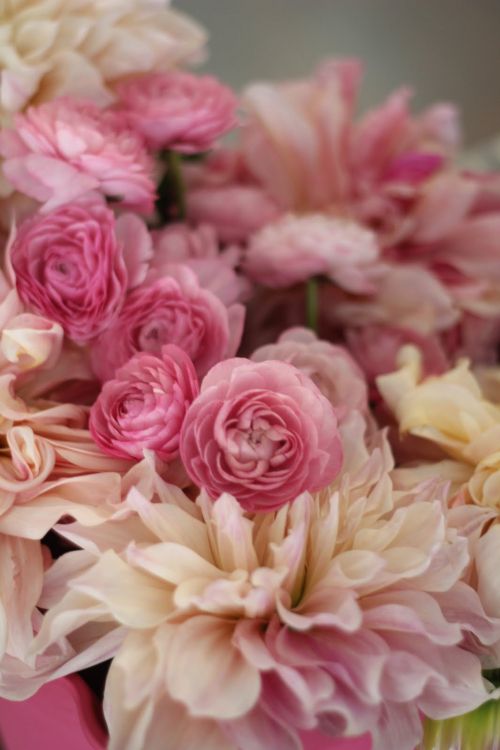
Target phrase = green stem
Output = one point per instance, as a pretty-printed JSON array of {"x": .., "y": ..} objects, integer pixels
[
  {"x": 312, "y": 304},
  {"x": 171, "y": 203}
]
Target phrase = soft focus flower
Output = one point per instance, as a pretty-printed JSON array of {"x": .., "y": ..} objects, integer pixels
[
  {"x": 29, "y": 341},
  {"x": 69, "y": 266},
  {"x": 178, "y": 111},
  {"x": 262, "y": 432},
  {"x": 295, "y": 248},
  {"x": 197, "y": 247},
  {"x": 304, "y": 148},
  {"x": 144, "y": 405},
  {"x": 330, "y": 367},
  {"x": 222, "y": 193},
  {"x": 244, "y": 630},
  {"x": 64, "y": 149},
  {"x": 80, "y": 47},
  {"x": 170, "y": 309}
]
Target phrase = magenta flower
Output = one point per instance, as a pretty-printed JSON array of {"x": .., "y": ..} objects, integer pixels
[
  {"x": 177, "y": 110},
  {"x": 69, "y": 267},
  {"x": 144, "y": 405},
  {"x": 171, "y": 309},
  {"x": 67, "y": 148},
  {"x": 262, "y": 432}
]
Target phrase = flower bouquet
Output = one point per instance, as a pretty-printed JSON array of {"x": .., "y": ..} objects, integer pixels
[{"x": 249, "y": 402}]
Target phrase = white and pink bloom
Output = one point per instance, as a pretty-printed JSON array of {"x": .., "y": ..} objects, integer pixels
[
  {"x": 144, "y": 405},
  {"x": 62, "y": 150},
  {"x": 177, "y": 111},
  {"x": 170, "y": 309},
  {"x": 262, "y": 432}
]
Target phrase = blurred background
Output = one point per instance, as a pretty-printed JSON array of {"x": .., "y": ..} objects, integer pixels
[{"x": 445, "y": 49}]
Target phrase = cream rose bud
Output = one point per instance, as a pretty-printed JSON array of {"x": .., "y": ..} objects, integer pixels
[
  {"x": 144, "y": 406},
  {"x": 262, "y": 432}
]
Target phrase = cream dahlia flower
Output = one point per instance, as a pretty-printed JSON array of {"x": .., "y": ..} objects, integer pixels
[
  {"x": 341, "y": 611},
  {"x": 452, "y": 412},
  {"x": 81, "y": 47}
]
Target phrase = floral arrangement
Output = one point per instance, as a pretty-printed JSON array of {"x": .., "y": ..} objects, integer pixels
[{"x": 249, "y": 395}]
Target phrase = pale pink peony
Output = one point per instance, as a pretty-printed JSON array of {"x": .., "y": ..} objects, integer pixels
[
  {"x": 197, "y": 247},
  {"x": 69, "y": 266},
  {"x": 262, "y": 432},
  {"x": 341, "y": 612},
  {"x": 177, "y": 110},
  {"x": 144, "y": 406},
  {"x": 330, "y": 367},
  {"x": 67, "y": 148},
  {"x": 295, "y": 248},
  {"x": 170, "y": 309}
]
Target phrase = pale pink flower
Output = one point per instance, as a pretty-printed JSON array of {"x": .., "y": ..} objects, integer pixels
[
  {"x": 69, "y": 266},
  {"x": 331, "y": 368},
  {"x": 81, "y": 47},
  {"x": 222, "y": 193},
  {"x": 177, "y": 110},
  {"x": 62, "y": 150},
  {"x": 342, "y": 612},
  {"x": 262, "y": 432},
  {"x": 295, "y": 248},
  {"x": 170, "y": 309},
  {"x": 144, "y": 405},
  {"x": 305, "y": 149},
  {"x": 197, "y": 247}
]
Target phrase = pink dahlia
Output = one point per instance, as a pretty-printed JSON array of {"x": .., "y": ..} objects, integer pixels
[
  {"x": 66, "y": 148},
  {"x": 144, "y": 405},
  {"x": 170, "y": 309},
  {"x": 177, "y": 110},
  {"x": 69, "y": 267},
  {"x": 262, "y": 432},
  {"x": 294, "y": 248}
]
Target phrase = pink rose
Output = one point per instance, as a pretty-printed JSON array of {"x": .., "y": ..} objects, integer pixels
[
  {"x": 177, "y": 110},
  {"x": 198, "y": 248},
  {"x": 67, "y": 148},
  {"x": 295, "y": 248},
  {"x": 69, "y": 267},
  {"x": 262, "y": 432},
  {"x": 144, "y": 405},
  {"x": 330, "y": 367},
  {"x": 170, "y": 309}
]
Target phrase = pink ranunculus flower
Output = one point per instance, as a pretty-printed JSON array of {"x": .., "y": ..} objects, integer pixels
[
  {"x": 331, "y": 367},
  {"x": 262, "y": 432},
  {"x": 197, "y": 247},
  {"x": 177, "y": 110},
  {"x": 67, "y": 148},
  {"x": 144, "y": 405},
  {"x": 296, "y": 248},
  {"x": 170, "y": 309},
  {"x": 70, "y": 268}
]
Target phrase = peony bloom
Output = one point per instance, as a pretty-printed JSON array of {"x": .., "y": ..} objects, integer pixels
[
  {"x": 295, "y": 248},
  {"x": 81, "y": 47},
  {"x": 178, "y": 111},
  {"x": 262, "y": 432},
  {"x": 67, "y": 148},
  {"x": 198, "y": 248},
  {"x": 330, "y": 367},
  {"x": 144, "y": 406},
  {"x": 341, "y": 612},
  {"x": 170, "y": 309},
  {"x": 69, "y": 266}
]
